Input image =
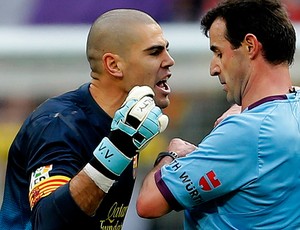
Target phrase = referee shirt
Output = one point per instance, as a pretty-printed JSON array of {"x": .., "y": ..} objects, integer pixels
[{"x": 245, "y": 174}]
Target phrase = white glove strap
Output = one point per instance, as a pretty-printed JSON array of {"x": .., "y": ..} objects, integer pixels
[{"x": 103, "y": 182}]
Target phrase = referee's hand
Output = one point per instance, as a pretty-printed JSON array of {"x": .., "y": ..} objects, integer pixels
[{"x": 181, "y": 147}]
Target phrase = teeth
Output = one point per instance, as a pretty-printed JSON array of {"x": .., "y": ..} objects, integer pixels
[
  {"x": 163, "y": 84},
  {"x": 160, "y": 83}
]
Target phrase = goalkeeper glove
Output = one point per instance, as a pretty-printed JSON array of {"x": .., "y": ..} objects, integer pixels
[{"x": 137, "y": 122}]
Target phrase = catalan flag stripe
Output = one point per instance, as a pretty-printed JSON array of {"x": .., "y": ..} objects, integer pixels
[{"x": 46, "y": 187}]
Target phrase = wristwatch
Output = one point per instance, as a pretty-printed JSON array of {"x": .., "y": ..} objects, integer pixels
[{"x": 164, "y": 154}]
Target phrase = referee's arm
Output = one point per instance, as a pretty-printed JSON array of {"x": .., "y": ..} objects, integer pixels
[{"x": 151, "y": 203}]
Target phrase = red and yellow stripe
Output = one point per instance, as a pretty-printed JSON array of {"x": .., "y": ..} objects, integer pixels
[{"x": 46, "y": 187}]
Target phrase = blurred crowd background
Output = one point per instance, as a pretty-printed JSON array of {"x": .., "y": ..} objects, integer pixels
[
  {"x": 72, "y": 12},
  {"x": 32, "y": 73}
]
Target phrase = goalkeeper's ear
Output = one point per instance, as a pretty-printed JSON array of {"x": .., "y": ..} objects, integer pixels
[
  {"x": 139, "y": 92},
  {"x": 112, "y": 64}
]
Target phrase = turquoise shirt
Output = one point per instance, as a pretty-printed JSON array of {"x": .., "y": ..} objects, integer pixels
[{"x": 245, "y": 174}]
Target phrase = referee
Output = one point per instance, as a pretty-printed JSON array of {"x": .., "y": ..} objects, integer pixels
[{"x": 245, "y": 173}]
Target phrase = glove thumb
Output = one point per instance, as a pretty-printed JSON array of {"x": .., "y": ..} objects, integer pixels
[
  {"x": 163, "y": 122},
  {"x": 139, "y": 92}
]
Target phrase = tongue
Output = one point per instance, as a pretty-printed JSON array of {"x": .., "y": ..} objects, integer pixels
[
  {"x": 164, "y": 87},
  {"x": 163, "y": 84}
]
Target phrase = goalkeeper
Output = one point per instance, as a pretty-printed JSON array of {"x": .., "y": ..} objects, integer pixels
[{"x": 71, "y": 166}]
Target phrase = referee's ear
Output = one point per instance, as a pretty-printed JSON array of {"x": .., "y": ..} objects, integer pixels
[{"x": 252, "y": 45}]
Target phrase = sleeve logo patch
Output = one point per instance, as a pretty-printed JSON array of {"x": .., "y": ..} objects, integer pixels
[
  {"x": 40, "y": 174},
  {"x": 209, "y": 181}
]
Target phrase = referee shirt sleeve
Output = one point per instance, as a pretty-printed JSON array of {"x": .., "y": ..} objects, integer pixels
[
  {"x": 163, "y": 188},
  {"x": 223, "y": 162}
]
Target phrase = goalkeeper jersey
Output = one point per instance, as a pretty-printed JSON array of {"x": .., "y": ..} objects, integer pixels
[
  {"x": 245, "y": 174},
  {"x": 55, "y": 142}
]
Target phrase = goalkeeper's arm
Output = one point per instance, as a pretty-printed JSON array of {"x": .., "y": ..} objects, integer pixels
[
  {"x": 137, "y": 122},
  {"x": 133, "y": 126}
]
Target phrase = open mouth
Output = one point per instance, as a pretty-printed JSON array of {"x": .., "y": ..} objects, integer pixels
[{"x": 162, "y": 84}]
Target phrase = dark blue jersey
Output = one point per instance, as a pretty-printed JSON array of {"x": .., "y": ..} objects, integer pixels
[{"x": 55, "y": 142}]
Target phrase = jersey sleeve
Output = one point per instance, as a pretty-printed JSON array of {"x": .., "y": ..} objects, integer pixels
[
  {"x": 59, "y": 211},
  {"x": 224, "y": 161},
  {"x": 57, "y": 152}
]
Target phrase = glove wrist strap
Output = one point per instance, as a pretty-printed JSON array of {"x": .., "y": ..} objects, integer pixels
[{"x": 111, "y": 157}]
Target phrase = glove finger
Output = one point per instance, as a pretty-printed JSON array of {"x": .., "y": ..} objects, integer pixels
[
  {"x": 163, "y": 122},
  {"x": 161, "y": 119},
  {"x": 142, "y": 108},
  {"x": 139, "y": 92}
]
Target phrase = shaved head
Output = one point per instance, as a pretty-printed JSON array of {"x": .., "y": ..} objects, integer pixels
[{"x": 113, "y": 32}]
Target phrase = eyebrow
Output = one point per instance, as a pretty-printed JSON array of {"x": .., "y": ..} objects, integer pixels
[{"x": 159, "y": 47}]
